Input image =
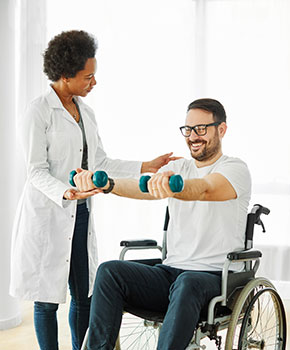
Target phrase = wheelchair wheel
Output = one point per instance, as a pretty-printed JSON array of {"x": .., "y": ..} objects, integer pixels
[
  {"x": 258, "y": 319},
  {"x": 137, "y": 333}
]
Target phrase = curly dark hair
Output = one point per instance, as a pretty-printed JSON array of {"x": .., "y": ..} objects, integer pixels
[{"x": 67, "y": 54}]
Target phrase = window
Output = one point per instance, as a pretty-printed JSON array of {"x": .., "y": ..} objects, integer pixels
[{"x": 155, "y": 57}]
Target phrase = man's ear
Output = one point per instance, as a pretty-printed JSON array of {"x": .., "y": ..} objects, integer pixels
[{"x": 222, "y": 129}]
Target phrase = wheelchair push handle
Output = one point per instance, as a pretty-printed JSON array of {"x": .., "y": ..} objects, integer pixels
[
  {"x": 176, "y": 183},
  {"x": 265, "y": 211},
  {"x": 257, "y": 211},
  {"x": 100, "y": 178}
]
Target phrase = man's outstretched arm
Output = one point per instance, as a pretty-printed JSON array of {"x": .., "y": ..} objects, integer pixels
[
  {"x": 123, "y": 187},
  {"x": 212, "y": 187}
]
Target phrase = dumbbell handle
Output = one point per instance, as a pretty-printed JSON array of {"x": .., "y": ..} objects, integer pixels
[
  {"x": 100, "y": 178},
  {"x": 175, "y": 183}
]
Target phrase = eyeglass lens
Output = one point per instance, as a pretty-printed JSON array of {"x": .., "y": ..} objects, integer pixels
[{"x": 200, "y": 130}]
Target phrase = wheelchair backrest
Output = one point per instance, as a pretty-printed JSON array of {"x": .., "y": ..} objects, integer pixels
[{"x": 254, "y": 217}]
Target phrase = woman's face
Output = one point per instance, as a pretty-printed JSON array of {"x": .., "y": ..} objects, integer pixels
[{"x": 84, "y": 81}]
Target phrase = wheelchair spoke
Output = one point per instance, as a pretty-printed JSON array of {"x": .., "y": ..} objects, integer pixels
[{"x": 138, "y": 334}]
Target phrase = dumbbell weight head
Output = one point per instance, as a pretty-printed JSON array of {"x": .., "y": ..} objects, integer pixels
[
  {"x": 71, "y": 178},
  {"x": 143, "y": 183},
  {"x": 175, "y": 182},
  {"x": 100, "y": 178}
]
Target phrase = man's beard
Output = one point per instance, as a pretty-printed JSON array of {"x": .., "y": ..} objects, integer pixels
[{"x": 210, "y": 149}]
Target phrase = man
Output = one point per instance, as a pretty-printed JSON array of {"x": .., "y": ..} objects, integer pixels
[{"x": 207, "y": 220}]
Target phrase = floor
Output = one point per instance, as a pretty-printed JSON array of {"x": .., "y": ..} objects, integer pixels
[{"x": 23, "y": 337}]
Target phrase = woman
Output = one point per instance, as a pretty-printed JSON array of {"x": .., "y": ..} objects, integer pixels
[{"x": 54, "y": 243}]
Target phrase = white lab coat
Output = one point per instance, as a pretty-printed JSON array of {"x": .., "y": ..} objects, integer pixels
[{"x": 44, "y": 222}]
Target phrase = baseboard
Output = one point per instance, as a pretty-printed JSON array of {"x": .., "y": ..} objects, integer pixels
[{"x": 10, "y": 323}]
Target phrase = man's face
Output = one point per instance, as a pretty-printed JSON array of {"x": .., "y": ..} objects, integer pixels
[{"x": 207, "y": 147}]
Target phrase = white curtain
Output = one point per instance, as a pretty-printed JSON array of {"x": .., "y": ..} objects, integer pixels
[
  {"x": 9, "y": 308},
  {"x": 23, "y": 36},
  {"x": 30, "y": 40}
]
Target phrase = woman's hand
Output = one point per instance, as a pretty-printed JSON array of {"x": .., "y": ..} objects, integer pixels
[
  {"x": 72, "y": 194},
  {"x": 154, "y": 165}
]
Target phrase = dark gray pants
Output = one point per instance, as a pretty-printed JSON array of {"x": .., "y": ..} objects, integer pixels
[{"x": 181, "y": 294}]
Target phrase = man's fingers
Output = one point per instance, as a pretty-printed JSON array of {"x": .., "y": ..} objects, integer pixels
[{"x": 83, "y": 180}]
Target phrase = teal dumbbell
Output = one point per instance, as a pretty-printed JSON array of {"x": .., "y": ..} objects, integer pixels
[
  {"x": 100, "y": 178},
  {"x": 175, "y": 183}
]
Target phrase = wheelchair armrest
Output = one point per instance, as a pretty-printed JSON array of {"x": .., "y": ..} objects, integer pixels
[
  {"x": 139, "y": 243},
  {"x": 244, "y": 255}
]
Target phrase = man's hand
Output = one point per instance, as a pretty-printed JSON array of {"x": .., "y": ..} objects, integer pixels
[
  {"x": 83, "y": 180},
  {"x": 72, "y": 194},
  {"x": 154, "y": 165},
  {"x": 158, "y": 185},
  {"x": 84, "y": 183}
]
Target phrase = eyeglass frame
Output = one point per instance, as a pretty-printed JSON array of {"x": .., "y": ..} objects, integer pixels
[{"x": 194, "y": 128}]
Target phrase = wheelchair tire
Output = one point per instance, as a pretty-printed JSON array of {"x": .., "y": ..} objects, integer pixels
[
  {"x": 257, "y": 307},
  {"x": 137, "y": 333}
]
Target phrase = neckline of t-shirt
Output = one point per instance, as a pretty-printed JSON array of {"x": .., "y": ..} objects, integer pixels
[{"x": 211, "y": 165}]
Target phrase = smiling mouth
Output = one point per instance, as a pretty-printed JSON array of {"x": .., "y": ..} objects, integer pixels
[{"x": 195, "y": 146}]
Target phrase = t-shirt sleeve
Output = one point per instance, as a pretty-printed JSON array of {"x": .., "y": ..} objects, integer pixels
[{"x": 237, "y": 173}]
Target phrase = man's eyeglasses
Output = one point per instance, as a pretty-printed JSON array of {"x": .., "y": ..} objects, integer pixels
[{"x": 200, "y": 129}]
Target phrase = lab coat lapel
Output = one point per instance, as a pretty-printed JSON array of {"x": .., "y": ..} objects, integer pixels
[{"x": 55, "y": 103}]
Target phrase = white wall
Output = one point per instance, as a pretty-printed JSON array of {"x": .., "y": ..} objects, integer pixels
[{"x": 22, "y": 37}]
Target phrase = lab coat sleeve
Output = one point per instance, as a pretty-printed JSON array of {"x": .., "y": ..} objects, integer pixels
[{"x": 32, "y": 132}]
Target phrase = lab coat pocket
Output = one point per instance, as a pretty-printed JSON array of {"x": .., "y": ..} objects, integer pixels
[{"x": 57, "y": 145}]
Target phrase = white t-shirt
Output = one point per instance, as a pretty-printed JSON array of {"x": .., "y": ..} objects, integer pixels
[{"x": 201, "y": 233}]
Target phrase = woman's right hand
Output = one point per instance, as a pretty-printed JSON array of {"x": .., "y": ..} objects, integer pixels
[{"x": 72, "y": 194}]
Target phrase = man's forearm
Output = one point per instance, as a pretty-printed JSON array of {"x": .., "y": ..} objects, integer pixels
[
  {"x": 194, "y": 189},
  {"x": 213, "y": 187},
  {"x": 129, "y": 188}
]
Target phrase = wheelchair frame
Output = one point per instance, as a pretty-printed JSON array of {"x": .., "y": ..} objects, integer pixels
[{"x": 241, "y": 296}]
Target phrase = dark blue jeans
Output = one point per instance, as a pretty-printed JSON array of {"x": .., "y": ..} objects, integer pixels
[
  {"x": 181, "y": 294},
  {"x": 45, "y": 318}
]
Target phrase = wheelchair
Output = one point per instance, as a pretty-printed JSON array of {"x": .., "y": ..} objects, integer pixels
[{"x": 249, "y": 313}]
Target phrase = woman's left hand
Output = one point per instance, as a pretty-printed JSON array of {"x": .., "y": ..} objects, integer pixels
[{"x": 154, "y": 165}]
